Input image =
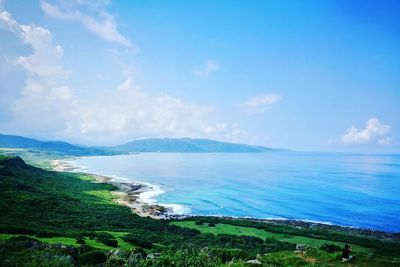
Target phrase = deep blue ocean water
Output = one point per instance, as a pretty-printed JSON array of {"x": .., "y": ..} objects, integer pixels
[{"x": 345, "y": 189}]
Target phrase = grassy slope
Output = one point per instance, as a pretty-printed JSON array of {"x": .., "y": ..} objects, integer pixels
[
  {"x": 41, "y": 159},
  {"x": 63, "y": 207},
  {"x": 69, "y": 241},
  {"x": 221, "y": 228}
]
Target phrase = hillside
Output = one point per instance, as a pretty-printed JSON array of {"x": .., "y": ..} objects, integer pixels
[
  {"x": 177, "y": 145},
  {"x": 188, "y": 145},
  {"x": 64, "y": 148}
]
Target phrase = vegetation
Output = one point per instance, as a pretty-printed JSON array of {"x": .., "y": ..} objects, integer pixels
[
  {"x": 304, "y": 233},
  {"x": 188, "y": 145},
  {"x": 60, "y": 147},
  {"x": 65, "y": 219}
]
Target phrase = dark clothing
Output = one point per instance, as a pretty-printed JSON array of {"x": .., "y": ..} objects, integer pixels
[{"x": 346, "y": 253}]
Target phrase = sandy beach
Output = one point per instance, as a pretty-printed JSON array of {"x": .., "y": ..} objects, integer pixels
[{"x": 129, "y": 193}]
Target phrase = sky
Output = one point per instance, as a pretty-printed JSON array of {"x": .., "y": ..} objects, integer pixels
[{"x": 304, "y": 75}]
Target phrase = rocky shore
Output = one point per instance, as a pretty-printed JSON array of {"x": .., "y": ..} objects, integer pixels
[{"x": 128, "y": 194}]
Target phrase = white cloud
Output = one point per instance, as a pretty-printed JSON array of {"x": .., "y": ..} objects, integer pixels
[
  {"x": 209, "y": 67},
  {"x": 49, "y": 106},
  {"x": 130, "y": 111},
  {"x": 261, "y": 102},
  {"x": 228, "y": 132},
  {"x": 385, "y": 141},
  {"x": 99, "y": 21},
  {"x": 46, "y": 61},
  {"x": 9, "y": 22},
  {"x": 122, "y": 113},
  {"x": 374, "y": 131}
]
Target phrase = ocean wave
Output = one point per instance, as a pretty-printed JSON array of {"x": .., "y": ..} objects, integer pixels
[
  {"x": 149, "y": 194},
  {"x": 177, "y": 209}
]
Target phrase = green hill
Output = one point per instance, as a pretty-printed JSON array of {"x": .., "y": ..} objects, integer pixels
[
  {"x": 13, "y": 141},
  {"x": 188, "y": 145}
]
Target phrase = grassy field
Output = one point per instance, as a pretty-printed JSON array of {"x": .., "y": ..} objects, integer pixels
[
  {"x": 69, "y": 241},
  {"x": 228, "y": 229}
]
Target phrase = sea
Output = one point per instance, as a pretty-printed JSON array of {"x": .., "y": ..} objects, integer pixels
[{"x": 355, "y": 190}]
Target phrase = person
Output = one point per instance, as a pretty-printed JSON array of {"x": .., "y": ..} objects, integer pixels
[{"x": 346, "y": 253}]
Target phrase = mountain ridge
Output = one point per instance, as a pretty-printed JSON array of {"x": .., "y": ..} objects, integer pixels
[
  {"x": 15, "y": 141},
  {"x": 176, "y": 145},
  {"x": 194, "y": 145}
]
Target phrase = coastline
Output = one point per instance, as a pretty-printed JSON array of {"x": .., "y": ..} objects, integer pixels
[
  {"x": 138, "y": 196},
  {"x": 135, "y": 195}
]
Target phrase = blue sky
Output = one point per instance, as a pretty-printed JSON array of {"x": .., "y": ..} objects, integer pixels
[{"x": 305, "y": 75}]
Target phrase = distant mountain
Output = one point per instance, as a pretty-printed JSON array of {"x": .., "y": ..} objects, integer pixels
[
  {"x": 13, "y": 141},
  {"x": 187, "y": 145},
  {"x": 178, "y": 145}
]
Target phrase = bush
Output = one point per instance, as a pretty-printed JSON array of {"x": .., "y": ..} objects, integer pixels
[
  {"x": 211, "y": 224},
  {"x": 84, "y": 248},
  {"x": 331, "y": 248},
  {"x": 92, "y": 257},
  {"x": 110, "y": 242},
  {"x": 227, "y": 254},
  {"x": 136, "y": 241},
  {"x": 46, "y": 234},
  {"x": 139, "y": 253},
  {"x": 199, "y": 223},
  {"x": 22, "y": 238},
  {"x": 80, "y": 241},
  {"x": 107, "y": 239},
  {"x": 115, "y": 262}
]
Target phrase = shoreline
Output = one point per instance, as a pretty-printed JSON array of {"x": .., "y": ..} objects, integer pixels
[
  {"x": 132, "y": 194},
  {"x": 129, "y": 194}
]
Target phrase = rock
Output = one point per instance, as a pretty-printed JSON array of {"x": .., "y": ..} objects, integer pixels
[
  {"x": 152, "y": 256},
  {"x": 136, "y": 255},
  {"x": 255, "y": 261},
  {"x": 117, "y": 253},
  {"x": 301, "y": 248}
]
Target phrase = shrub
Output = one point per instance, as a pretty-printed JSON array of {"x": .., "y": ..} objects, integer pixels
[
  {"x": 46, "y": 234},
  {"x": 115, "y": 262},
  {"x": 331, "y": 248},
  {"x": 226, "y": 254},
  {"x": 92, "y": 257},
  {"x": 21, "y": 238},
  {"x": 107, "y": 239},
  {"x": 136, "y": 241},
  {"x": 199, "y": 223},
  {"x": 139, "y": 253},
  {"x": 110, "y": 242},
  {"x": 211, "y": 224},
  {"x": 80, "y": 241}
]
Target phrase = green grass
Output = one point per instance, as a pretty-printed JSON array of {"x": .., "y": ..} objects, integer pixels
[
  {"x": 51, "y": 240},
  {"x": 69, "y": 241},
  {"x": 94, "y": 244},
  {"x": 247, "y": 231},
  {"x": 121, "y": 243}
]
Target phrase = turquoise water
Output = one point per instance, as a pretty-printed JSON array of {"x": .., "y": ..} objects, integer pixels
[{"x": 352, "y": 190}]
